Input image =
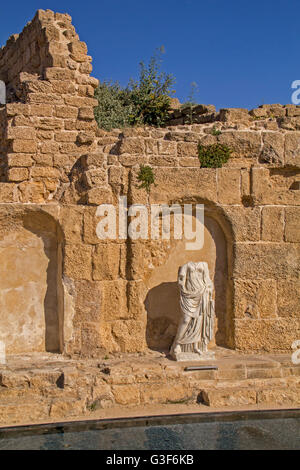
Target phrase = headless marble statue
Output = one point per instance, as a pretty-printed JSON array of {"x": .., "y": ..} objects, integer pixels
[{"x": 196, "y": 328}]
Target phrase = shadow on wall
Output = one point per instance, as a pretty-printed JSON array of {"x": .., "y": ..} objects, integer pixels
[
  {"x": 47, "y": 230},
  {"x": 163, "y": 310},
  {"x": 162, "y": 301}
]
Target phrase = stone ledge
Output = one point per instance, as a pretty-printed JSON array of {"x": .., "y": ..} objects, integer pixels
[{"x": 41, "y": 386}]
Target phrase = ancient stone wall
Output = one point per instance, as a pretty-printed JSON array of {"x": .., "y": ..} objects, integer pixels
[
  {"x": 120, "y": 295},
  {"x": 254, "y": 201},
  {"x": 50, "y": 120}
]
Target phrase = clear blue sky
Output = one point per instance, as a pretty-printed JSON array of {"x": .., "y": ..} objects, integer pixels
[{"x": 240, "y": 53}]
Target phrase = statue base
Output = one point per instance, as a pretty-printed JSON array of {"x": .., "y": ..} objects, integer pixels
[{"x": 193, "y": 356}]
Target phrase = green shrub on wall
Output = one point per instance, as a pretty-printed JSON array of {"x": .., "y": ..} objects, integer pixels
[
  {"x": 146, "y": 177},
  {"x": 213, "y": 156},
  {"x": 114, "y": 109},
  {"x": 145, "y": 101}
]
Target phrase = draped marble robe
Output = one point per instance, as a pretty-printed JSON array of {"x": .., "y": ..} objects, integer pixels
[{"x": 197, "y": 307}]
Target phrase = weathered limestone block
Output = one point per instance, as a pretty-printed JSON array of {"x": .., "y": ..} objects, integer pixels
[
  {"x": 244, "y": 144},
  {"x": 24, "y": 133},
  {"x": 166, "y": 147},
  {"x": 49, "y": 123},
  {"x": 115, "y": 175},
  {"x": 32, "y": 191},
  {"x": 129, "y": 335},
  {"x": 266, "y": 335},
  {"x": 80, "y": 101},
  {"x": 30, "y": 411},
  {"x": 86, "y": 67},
  {"x": 71, "y": 220},
  {"x": 245, "y": 222},
  {"x": 95, "y": 176},
  {"x": 257, "y": 260},
  {"x": 59, "y": 73},
  {"x": 292, "y": 149},
  {"x": 255, "y": 299},
  {"x": 49, "y": 147},
  {"x": 106, "y": 261},
  {"x": 43, "y": 110},
  {"x": 8, "y": 192},
  {"x": 288, "y": 300},
  {"x": 19, "y": 160},
  {"x": 78, "y": 261},
  {"x": 137, "y": 132},
  {"x": 64, "y": 136},
  {"x": 187, "y": 149},
  {"x": 258, "y": 112},
  {"x": 14, "y": 380},
  {"x": 78, "y": 51},
  {"x": 66, "y": 112},
  {"x": 90, "y": 339},
  {"x": 273, "y": 188},
  {"x": 126, "y": 394},
  {"x": 189, "y": 162},
  {"x": 119, "y": 375},
  {"x": 23, "y": 146},
  {"x": 17, "y": 174},
  {"x": 171, "y": 185},
  {"x": 49, "y": 98},
  {"x": 93, "y": 160},
  {"x": 132, "y": 160},
  {"x": 44, "y": 172},
  {"x": 12, "y": 109},
  {"x": 136, "y": 194},
  {"x": 232, "y": 397},
  {"x": 161, "y": 393},
  {"x": 85, "y": 138},
  {"x": 292, "y": 224},
  {"x": 90, "y": 221},
  {"x": 136, "y": 255},
  {"x": 272, "y": 224},
  {"x": 165, "y": 160},
  {"x": 151, "y": 147},
  {"x": 228, "y": 181},
  {"x": 136, "y": 294},
  {"x": 132, "y": 146},
  {"x": 281, "y": 396},
  {"x": 274, "y": 110},
  {"x": 67, "y": 407},
  {"x": 235, "y": 115},
  {"x": 86, "y": 113},
  {"x": 114, "y": 300},
  {"x": 100, "y": 195},
  {"x": 177, "y": 135},
  {"x": 273, "y": 148}
]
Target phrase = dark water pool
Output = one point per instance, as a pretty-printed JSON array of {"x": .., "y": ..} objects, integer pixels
[{"x": 231, "y": 430}]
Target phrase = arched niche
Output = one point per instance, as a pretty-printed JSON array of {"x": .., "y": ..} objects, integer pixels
[
  {"x": 31, "y": 298},
  {"x": 162, "y": 299}
]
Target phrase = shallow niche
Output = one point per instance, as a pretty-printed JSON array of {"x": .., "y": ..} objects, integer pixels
[
  {"x": 31, "y": 303},
  {"x": 162, "y": 300}
]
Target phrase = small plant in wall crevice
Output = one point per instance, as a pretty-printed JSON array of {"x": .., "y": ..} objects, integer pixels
[
  {"x": 146, "y": 177},
  {"x": 215, "y": 131},
  {"x": 213, "y": 156}
]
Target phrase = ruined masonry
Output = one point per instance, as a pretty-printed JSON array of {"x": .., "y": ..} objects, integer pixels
[{"x": 66, "y": 292}]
